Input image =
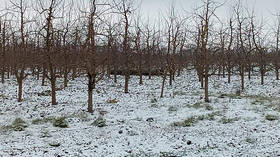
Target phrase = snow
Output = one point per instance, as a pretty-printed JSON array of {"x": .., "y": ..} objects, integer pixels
[{"x": 128, "y": 133}]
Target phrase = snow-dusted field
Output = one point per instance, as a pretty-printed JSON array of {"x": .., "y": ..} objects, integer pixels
[{"x": 142, "y": 124}]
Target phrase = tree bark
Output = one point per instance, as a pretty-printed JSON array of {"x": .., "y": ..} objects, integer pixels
[
  {"x": 19, "y": 89},
  {"x": 162, "y": 85},
  {"x": 90, "y": 92},
  {"x": 206, "y": 88},
  {"x": 126, "y": 82},
  {"x": 3, "y": 75},
  {"x": 277, "y": 73}
]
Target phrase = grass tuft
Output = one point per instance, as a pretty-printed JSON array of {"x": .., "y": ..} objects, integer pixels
[
  {"x": 226, "y": 120},
  {"x": 270, "y": 117},
  {"x": 99, "y": 122},
  {"x": 60, "y": 122},
  {"x": 112, "y": 101}
]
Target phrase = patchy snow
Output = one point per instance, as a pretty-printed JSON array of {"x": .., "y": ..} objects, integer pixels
[{"x": 141, "y": 123}]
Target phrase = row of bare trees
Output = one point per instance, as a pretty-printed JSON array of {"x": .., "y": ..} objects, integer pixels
[{"x": 66, "y": 39}]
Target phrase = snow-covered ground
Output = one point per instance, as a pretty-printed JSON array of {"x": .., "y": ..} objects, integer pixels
[{"x": 142, "y": 124}]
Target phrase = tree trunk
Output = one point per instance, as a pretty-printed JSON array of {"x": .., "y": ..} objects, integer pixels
[
  {"x": 93, "y": 81},
  {"x": 249, "y": 73},
  {"x": 220, "y": 70},
  {"x": 33, "y": 71},
  {"x": 53, "y": 88},
  {"x": 150, "y": 73},
  {"x": 20, "y": 89},
  {"x": 126, "y": 79},
  {"x": 224, "y": 75},
  {"x": 201, "y": 81},
  {"x": 229, "y": 74},
  {"x": 53, "y": 84},
  {"x": 242, "y": 78},
  {"x": 262, "y": 75},
  {"x": 3, "y": 75},
  {"x": 8, "y": 73},
  {"x": 170, "y": 78},
  {"x": 179, "y": 72},
  {"x": 141, "y": 77},
  {"x": 162, "y": 85},
  {"x": 115, "y": 75},
  {"x": 140, "y": 71},
  {"x": 262, "y": 79},
  {"x": 90, "y": 90},
  {"x": 74, "y": 73},
  {"x": 44, "y": 77},
  {"x": 38, "y": 73},
  {"x": 206, "y": 88},
  {"x": 149, "y": 67},
  {"x": 65, "y": 75},
  {"x": 277, "y": 73}
]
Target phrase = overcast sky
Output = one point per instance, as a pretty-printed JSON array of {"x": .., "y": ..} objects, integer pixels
[
  {"x": 155, "y": 8},
  {"x": 152, "y": 8}
]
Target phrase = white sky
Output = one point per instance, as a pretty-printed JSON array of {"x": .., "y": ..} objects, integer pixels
[
  {"x": 263, "y": 8},
  {"x": 156, "y": 8}
]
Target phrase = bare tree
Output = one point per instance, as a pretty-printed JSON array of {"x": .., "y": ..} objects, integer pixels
[
  {"x": 66, "y": 24},
  {"x": 19, "y": 7},
  {"x": 48, "y": 9},
  {"x": 205, "y": 16},
  {"x": 241, "y": 60},
  {"x": 3, "y": 30},
  {"x": 139, "y": 52},
  {"x": 93, "y": 59},
  {"x": 229, "y": 52},
  {"x": 261, "y": 50},
  {"x": 124, "y": 8},
  {"x": 276, "y": 54},
  {"x": 174, "y": 24}
]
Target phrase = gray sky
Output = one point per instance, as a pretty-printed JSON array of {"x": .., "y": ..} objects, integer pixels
[
  {"x": 155, "y": 8},
  {"x": 152, "y": 8}
]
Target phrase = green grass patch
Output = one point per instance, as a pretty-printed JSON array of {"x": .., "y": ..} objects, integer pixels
[
  {"x": 154, "y": 100},
  {"x": 99, "y": 122},
  {"x": 112, "y": 101},
  {"x": 82, "y": 116},
  {"x": 60, "y": 122},
  {"x": 54, "y": 144},
  {"x": 45, "y": 134},
  {"x": 260, "y": 98},
  {"x": 186, "y": 123},
  {"x": 208, "y": 107},
  {"x": 209, "y": 116},
  {"x": 38, "y": 121},
  {"x": 45, "y": 93},
  {"x": 274, "y": 106},
  {"x": 231, "y": 96},
  {"x": 179, "y": 93},
  {"x": 172, "y": 109},
  {"x": 225, "y": 120},
  {"x": 270, "y": 117},
  {"x": 199, "y": 105},
  {"x": 154, "y": 105},
  {"x": 250, "y": 140},
  {"x": 17, "y": 125},
  {"x": 2, "y": 96},
  {"x": 258, "y": 101},
  {"x": 191, "y": 121}
]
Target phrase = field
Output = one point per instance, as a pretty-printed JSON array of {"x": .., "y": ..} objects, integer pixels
[{"x": 234, "y": 123}]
